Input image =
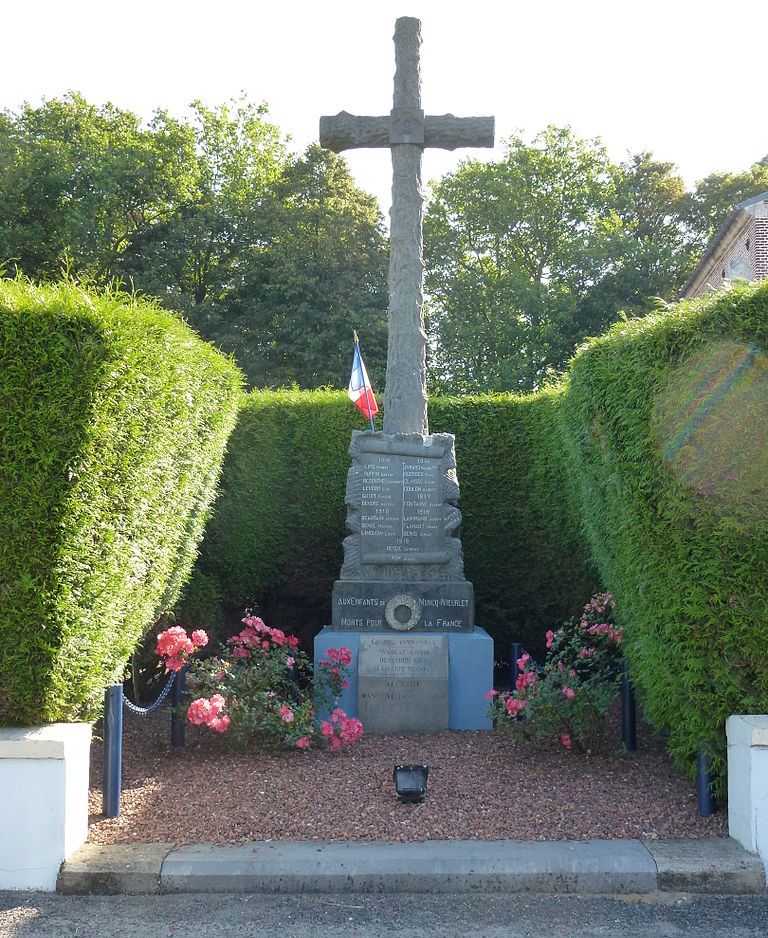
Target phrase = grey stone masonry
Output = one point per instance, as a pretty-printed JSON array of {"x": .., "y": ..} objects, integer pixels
[
  {"x": 403, "y": 567},
  {"x": 402, "y": 508},
  {"x": 402, "y": 683},
  {"x": 406, "y": 131},
  {"x": 427, "y": 606}
]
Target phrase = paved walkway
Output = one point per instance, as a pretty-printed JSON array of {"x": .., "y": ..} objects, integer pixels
[{"x": 596, "y": 867}]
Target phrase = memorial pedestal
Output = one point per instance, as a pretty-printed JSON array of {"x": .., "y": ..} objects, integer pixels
[
  {"x": 402, "y": 604},
  {"x": 470, "y": 677}
]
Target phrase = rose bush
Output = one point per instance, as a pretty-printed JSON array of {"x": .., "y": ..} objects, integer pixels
[
  {"x": 260, "y": 688},
  {"x": 568, "y": 697}
]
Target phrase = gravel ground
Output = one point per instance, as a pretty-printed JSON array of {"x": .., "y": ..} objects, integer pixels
[{"x": 482, "y": 785}]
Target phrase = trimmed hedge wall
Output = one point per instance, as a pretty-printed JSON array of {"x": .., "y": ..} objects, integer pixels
[
  {"x": 113, "y": 425},
  {"x": 666, "y": 421},
  {"x": 274, "y": 542}
]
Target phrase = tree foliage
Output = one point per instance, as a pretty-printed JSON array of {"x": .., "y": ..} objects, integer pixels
[
  {"x": 511, "y": 247},
  {"x": 274, "y": 257},
  {"x": 529, "y": 255}
]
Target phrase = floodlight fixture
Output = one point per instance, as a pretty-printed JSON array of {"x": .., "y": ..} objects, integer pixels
[{"x": 411, "y": 782}]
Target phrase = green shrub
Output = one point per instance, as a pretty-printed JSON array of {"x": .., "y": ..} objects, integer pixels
[
  {"x": 113, "y": 425},
  {"x": 523, "y": 546},
  {"x": 666, "y": 429},
  {"x": 275, "y": 541}
]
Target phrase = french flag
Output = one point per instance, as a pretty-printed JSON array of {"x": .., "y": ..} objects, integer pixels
[{"x": 360, "y": 391}]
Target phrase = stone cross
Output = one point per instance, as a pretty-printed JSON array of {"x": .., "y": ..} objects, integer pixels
[{"x": 406, "y": 131}]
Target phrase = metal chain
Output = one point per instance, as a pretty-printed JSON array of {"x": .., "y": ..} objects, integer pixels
[{"x": 145, "y": 711}]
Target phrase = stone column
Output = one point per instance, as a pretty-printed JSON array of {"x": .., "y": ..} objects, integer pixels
[{"x": 405, "y": 397}]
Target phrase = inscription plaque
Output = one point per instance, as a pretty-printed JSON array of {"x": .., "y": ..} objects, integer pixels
[
  {"x": 361, "y": 606},
  {"x": 402, "y": 683},
  {"x": 401, "y": 510}
]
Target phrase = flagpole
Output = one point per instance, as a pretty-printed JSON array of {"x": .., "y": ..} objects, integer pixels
[{"x": 367, "y": 399}]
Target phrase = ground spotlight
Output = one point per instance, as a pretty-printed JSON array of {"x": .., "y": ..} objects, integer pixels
[{"x": 411, "y": 782}]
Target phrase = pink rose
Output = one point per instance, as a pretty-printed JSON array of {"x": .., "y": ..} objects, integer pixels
[
  {"x": 326, "y": 729},
  {"x": 290, "y": 661},
  {"x": 550, "y": 638},
  {"x": 220, "y": 724},
  {"x": 513, "y": 706},
  {"x": 491, "y": 694},
  {"x": 565, "y": 739},
  {"x": 522, "y": 661},
  {"x": 286, "y": 713},
  {"x": 568, "y": 693},
  {"x": 199, "y": 712},
  {"x": 199, "y": 638},
  {"x": 303, "y": 743}
]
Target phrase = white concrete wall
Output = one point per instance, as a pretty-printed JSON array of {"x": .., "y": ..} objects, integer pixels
[
  {"x": 43, "y": 801},
  {"x": 748, "y": 782}
]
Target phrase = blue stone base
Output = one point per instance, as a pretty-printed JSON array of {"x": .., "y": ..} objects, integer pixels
[{"x": 470, "y": 674}]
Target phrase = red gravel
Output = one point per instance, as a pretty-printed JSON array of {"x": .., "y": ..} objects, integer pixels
[{"x": 482, "y": 785}]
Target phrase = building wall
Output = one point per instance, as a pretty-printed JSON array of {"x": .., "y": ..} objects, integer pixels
[
  {"x": 740, "y": 257},
  {"x": 761, "y": 248}
]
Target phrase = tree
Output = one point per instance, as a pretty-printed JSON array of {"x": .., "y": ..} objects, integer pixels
[
  {"x": 79, "y": 183},
  {"x": 321, "y": 275},
  {"x": 650, "y": 252},
  {"x": 193, "y": 260},
  {"x": 512, "y": 246}
]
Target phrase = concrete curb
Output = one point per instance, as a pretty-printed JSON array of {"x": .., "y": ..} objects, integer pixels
[
  {"x": 123, "y": 869},
  {"x": 596, "y": 867},
  {"x": 709, "y": 865},
  {"x": 430, "y": 867}
]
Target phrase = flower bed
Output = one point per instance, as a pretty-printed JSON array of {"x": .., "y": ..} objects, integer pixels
[{"x": 482, "y": 785}]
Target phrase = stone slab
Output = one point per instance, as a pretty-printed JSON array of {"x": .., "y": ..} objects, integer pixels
[
  {"x": 402, "y": 683},
  {"x": 592, "y": 867},
  {"x": 401, "y": 513},
  {"x": 120, "y": 869},
  {"x": 707, "y": 865},
  {"x": 435, "y": 606},
  {"x": 402, "y": 508},
  {"x": 470, "y": 674}
]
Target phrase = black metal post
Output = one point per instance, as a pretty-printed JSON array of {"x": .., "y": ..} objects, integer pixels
[
  {"x": 113, "y": 750},
  {"x": 628, "y": 710},
  {"x": 706, "y": 799},
  {"x": 177, "y": 717},
  {"x": 516, "y": 651}
]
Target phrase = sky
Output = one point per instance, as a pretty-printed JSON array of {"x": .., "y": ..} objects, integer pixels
[{"x": 682, "y": 79}]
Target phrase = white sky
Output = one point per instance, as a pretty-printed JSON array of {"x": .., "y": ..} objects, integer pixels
[{"x": 681, "y": 78}]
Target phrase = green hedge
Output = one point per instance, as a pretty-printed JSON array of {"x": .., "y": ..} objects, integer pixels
[
  {"x": 666, "y": 421},
  {"x": 274, "y": 542},
  {"x": 113, "y": 425},
  {"x": 521, "y": 533}
]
